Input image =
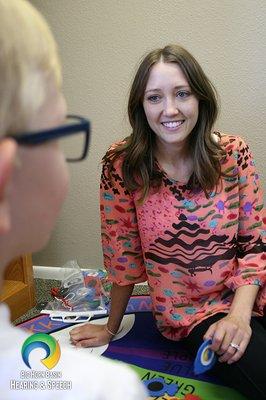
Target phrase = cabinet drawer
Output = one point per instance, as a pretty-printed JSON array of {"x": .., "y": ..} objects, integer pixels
[{"x": 18, "y": 290}]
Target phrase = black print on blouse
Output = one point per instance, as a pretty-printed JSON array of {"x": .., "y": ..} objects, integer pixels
[
  {"x": 247, "y": 245},
  {"x": 198, "y": 256},
  {"x": 107, "y": 184}
]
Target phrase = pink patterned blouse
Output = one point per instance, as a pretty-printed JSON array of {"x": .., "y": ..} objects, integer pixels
[{"x": 193, "y": 251}]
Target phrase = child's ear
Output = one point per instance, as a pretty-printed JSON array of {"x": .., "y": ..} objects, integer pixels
[{"x": 8, "y": 150}]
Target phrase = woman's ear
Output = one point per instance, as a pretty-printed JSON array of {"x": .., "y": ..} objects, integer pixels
[{"x": 8, "y": 150}]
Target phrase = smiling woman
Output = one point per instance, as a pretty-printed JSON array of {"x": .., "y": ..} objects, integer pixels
[
  {"x": 168, "y": 83},
  {"x": 181, "y": 207}
]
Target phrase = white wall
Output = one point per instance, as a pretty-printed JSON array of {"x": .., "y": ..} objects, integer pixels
[{"x": 101, "y": 42}]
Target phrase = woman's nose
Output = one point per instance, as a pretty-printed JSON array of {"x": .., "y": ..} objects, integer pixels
[{"x": 170, "y": 107}]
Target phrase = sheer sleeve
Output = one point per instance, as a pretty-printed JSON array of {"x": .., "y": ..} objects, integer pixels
[
  {"x": 251, "y": 255},
  {"x": 121, "y": 243}
]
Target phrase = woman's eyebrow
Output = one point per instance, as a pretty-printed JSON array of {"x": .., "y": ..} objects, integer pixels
[{"x": 175, "y": 88}]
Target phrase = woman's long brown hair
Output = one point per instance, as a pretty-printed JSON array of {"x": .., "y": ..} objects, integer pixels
[{"x": 138, "y": 168}]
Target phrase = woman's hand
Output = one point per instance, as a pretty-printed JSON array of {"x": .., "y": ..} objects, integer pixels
[
  {"x": 228, "y": 331},
  {"x": 90, "y": 335},
  {"x": 93, "y": 335}
]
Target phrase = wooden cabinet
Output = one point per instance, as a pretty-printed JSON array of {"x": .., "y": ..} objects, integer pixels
[{"x": 18, "y": 289}]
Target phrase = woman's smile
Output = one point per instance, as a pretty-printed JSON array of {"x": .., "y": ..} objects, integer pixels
[{"x": 173, "y": 125}]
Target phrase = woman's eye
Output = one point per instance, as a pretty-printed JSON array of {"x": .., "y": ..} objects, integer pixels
[
  {"x": 154, "y": 98},
  {"x": 182, "y": 94}
]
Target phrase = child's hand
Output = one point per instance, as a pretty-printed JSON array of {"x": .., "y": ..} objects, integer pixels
[{"x": 90, "y": 335}]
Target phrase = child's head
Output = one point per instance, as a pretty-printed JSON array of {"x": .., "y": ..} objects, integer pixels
[
  {"x": 33, "y": 179},
  {"x": 28, "y": 61}
]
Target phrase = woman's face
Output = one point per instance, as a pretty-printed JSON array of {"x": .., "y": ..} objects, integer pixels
[
  {"x": 171, "y": 108},
  {"x": 39, "y": 182}
]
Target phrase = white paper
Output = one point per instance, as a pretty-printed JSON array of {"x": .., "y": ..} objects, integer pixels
[{"x": 64, "y": 339}]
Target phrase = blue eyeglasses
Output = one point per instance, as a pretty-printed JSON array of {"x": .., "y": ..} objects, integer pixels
[{"x": 75, "y": 125}]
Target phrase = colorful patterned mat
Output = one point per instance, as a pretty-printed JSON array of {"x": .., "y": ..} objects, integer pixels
[{"x": 151, "y": 355}]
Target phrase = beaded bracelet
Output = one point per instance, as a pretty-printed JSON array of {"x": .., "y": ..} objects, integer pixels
[{"x": 108, "y": 330}]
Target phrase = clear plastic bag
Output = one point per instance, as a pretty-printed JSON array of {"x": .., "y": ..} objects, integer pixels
[{"x": 80, "y": 291}]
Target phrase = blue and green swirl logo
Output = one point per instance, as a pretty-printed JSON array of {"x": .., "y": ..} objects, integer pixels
[{"x": 43, "y": 341}]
